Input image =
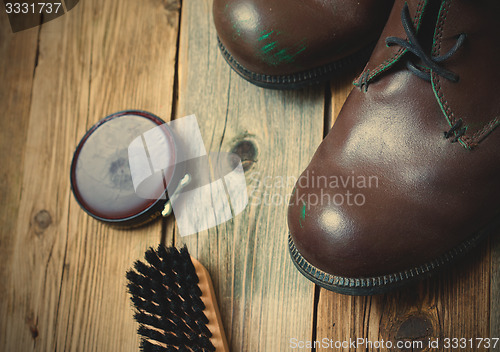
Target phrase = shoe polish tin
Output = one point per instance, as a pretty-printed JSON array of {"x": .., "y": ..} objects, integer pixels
[{"x": 113, "y": 173}]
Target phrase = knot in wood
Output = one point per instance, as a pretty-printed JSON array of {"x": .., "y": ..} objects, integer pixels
[
  {"x": 43, "y": 219},
  {"x": 247, "y": 151}
]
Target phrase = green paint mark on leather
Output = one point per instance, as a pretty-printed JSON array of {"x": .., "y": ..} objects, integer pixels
[
  {"x": 240, "y": 23},
  {"x": 270, "y": 51},
  {"x": 265, "y": 35},
  {"x": 236, "y": 31},
  {"x": 273, "y": 55},
  {"x": 284, "y": 56},
  {"x": 268, "y": 47},
  {"x": 302, "y": 215}
]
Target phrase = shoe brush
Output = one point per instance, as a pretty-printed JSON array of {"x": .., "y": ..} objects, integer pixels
[{"x": 175, "y": 303}]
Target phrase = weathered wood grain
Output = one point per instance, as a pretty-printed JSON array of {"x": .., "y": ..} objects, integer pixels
[
  {"x": 133, "y": 66},
  {"x": 67, "y": 288},
  {"x": 63, "y": 273},
  {"x": 452, "y": 304},
  {"x": 340, "y": 89},
  {"x": 17, "y": 63},
  {"x": 495, "y": 287},
  {"x": 264, "y": 300}
]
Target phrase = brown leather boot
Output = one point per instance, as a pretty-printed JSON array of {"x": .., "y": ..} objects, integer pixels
[
  {"x": 285, "y": 44},
  {"x": 408, "y": 179}
]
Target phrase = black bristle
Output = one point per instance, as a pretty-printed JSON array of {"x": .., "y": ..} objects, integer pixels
[
  {"x": 206, "y": 331},
  {"x": 152, "y": 258},
  {"x": 167, "y": 299},
  {"x": 150, "y": 334},
  {"x": 149, "y": 272},
  {"x": 147, "y": 346}
]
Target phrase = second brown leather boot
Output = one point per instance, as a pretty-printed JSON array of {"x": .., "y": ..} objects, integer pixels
[
  {"x": 408, "y": 178},
  {"x": 285, "y": 44}
]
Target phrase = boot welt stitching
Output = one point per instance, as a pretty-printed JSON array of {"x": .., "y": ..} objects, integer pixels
[
  {"x": 383, "y": 281},
  {"x": 301, "y": 78}
]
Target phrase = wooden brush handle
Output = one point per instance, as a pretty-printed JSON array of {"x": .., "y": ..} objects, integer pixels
[{"x": 215, "y": 326}]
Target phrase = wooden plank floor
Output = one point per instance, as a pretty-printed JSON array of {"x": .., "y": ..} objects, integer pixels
[{"x": 63, "y": 273}]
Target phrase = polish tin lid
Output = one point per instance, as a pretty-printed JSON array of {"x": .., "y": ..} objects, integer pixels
[{"x": 114, "y": 158}]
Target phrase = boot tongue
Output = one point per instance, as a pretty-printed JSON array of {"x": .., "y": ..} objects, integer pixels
[
  {"x": 467, "y": 98},
  {"x": 471, "y": 101},
  {"x": 427, "y": 25},
  {"x": 384, "y": 57},
  {"x": 426, "y": 31}
]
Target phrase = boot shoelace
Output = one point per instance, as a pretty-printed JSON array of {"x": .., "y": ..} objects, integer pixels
[
  {"x": 457, "y": 127},
  {"x": 413, "y": 46},
  {"x": 430, "y": 63}
]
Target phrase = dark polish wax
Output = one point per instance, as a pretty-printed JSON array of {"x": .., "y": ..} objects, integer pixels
[{"x": 101, "y": 172}]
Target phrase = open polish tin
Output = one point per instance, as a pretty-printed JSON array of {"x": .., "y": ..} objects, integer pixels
[{"x": 125, "y": 168}]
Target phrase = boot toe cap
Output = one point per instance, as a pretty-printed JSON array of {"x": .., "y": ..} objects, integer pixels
[
  {"x": 330, "y": 239},
  {"x": 286, "y": 37}
]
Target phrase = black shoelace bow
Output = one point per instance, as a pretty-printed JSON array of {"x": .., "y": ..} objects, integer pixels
[
  {"x": 429, "y": 62},
  {"x": 413, "y": 46}
]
